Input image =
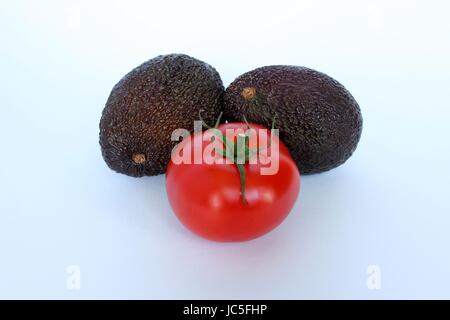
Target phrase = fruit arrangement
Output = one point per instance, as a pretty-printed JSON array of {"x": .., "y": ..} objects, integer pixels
[{"x": 238, "y": 179}]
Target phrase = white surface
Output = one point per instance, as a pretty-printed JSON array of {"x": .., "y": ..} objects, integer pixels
[{"x": 60, "y": 205}]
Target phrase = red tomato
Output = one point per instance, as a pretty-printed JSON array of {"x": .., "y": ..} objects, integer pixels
[{"x": 207, "y": 198}]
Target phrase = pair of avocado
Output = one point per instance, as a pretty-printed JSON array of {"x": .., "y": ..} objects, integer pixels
[{"x": 319, "y": 120}]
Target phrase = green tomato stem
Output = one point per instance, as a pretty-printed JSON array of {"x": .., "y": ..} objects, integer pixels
[
  {"x": 242, "y": 177},
  {"x": 241, "y": 150}
]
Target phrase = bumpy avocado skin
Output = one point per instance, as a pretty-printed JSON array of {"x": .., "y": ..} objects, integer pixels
[
  {"x": 319, "y": 120},
  {"x": 146, "y": 105}
]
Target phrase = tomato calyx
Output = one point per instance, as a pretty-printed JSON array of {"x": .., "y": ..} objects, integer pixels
[{"x": 240, "y": 150}]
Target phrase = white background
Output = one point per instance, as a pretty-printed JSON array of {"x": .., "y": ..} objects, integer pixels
[{"x": 60, "y": 205}]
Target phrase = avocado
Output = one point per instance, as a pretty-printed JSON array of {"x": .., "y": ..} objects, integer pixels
[
  {"x": 319, "y": 120},
  {"x": 146, "y": 105}
]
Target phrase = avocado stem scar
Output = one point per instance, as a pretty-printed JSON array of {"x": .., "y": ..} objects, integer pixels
[
  {"x": 138, "y": 158},
  {"x": 248, "y": 93}
]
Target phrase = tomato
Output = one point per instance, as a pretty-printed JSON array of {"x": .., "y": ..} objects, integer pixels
[{"x": 208, "y": 198}]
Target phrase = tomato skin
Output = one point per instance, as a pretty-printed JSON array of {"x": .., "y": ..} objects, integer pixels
[{"x": 206, "y": 198}]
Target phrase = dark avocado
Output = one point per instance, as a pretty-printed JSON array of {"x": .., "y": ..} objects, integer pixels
[
  {"x": 146, "y": 105},
  {"x": 319, "y": 120}
]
